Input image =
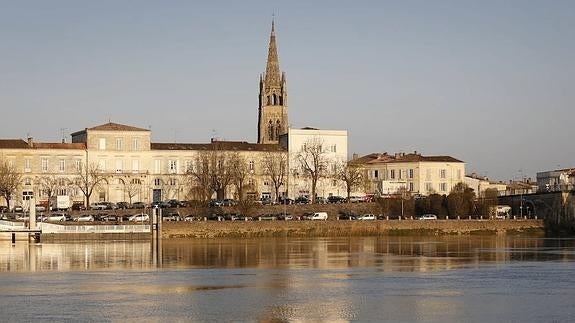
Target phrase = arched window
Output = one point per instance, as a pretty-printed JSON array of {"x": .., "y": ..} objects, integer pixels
[
  {"x": 275, "y": 100},
  {"x": 269, "y": 100},
  {"x": 271, "y": 130},
  {"x": 280, "y": 100},
  {"x": 278, "y": 129}
]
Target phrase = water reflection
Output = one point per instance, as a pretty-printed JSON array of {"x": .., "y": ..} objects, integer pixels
[{"x": 387, "y": 254}]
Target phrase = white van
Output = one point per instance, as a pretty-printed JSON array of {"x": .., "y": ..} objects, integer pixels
[{"x": 319, "y": 216}]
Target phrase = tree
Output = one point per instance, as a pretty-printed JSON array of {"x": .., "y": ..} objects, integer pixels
[
  {"x": 312, "y": 162},
  {"x": 132, "y": 187},
  {"x": 87, "y": 178},
  {"x": 488, "y": 202},
  {"x": 211, "y": 172},
  {"x": 240, "y": 172},
  {"x": 275, "y": 168},
  {"x": 9, "y": 180},
  {"x": 460, "y": 200},
  {"x": 350, "y": 174},
  {"x": 49, "y": 184}
]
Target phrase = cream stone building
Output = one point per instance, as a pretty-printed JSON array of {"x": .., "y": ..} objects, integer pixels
[
  {"x": 133, "y": 167},
  {"x": 334, "y": 150},
  {"x": 417, "y": 174}
]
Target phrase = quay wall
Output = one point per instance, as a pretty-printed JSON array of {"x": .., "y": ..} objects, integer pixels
[{"x": 251, "y": 229}]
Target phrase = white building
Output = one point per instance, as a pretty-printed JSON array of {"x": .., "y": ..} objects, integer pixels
[{"x": 334, "y": 150}]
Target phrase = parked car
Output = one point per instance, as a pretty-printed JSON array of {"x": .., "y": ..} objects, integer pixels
[
  {"x": 302, "y": 200},
  {"x": 366, "y": 217},
  {"x": 347, "y": 216},
  {"x": 78, "y": 206},
  {"x": 139, "y": 217},
  {"x": 173, "y": 203},
  {"x": 110, "y": 218},
  {"x": 266, "y": 201},
  {"x": 319, "y": 216},
  {"x": 267, "y": 217},
  {"x": 3, "y": 209},
  {"x": 138, "y": 205},
  {"x": 191, "y": 218},
  {"x": 124, "y": 205},
  {"x": 229, "y": 202},
  {"x": 285, "y": 217},
  {"x": 428, "y": 217},
  {"x": 172, "y": 216},
  {"x": 320, "y": 200},
  {"x": 355, "y": 199},
  {"x": 335, "y": 199},
  {"x": 40, "y": 208},
  {"x": 18, "y": 208},
  {"x": 85, "y": 218},
  {"x": 286, "y": 200},
  {"x": 59, "y": 217}
]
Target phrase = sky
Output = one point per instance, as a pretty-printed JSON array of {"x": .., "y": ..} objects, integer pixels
[{"x": 491, "y": 83}]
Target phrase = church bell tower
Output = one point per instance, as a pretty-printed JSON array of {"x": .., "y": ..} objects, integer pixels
[{"x": 272, "y": 113}]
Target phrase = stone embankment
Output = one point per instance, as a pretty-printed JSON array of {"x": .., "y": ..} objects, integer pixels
[{"x": 251, "y": 229}]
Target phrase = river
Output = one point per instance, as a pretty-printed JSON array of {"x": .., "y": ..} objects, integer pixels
[{"x": 393, "y": 279}]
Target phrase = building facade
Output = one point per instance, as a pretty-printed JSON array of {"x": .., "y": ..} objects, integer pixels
[
  {"x": 414, "y": 173},
  {"x": 333, "y": 146}
]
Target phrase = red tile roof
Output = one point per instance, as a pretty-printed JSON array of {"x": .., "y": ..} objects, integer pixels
[
  {"x": 110, "y": 126},
  {"x": 13, "y": 144},
  {"x": 57, "y": 145},
  {"x": 377, "y": 158},
  {"x": 219, "y": 145}
]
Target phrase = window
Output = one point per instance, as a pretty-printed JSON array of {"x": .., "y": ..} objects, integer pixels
[
  {"x": 442, "y": 173},
  {"x": 27, "y": 168},
  {"x": 443, "y": 187},
  {"x": 411, "y": 173},
  {"x": 157, "y": 182},
  {"x": 119, "y": 143},
  {"x": 334, "y": 183},
  {"x": 376, "y": 173},
  {"x": 62, "y": 167},
  {"x": 428, "y": 187},
  {"x": 411, "y": 186},
  {"x": 459, "y": 174},
  {"x": 119, "y": 165},
  {"x": 102, "y": 144},
  {"x": 266, "y": 183},
  {"x": 252, "y": 165},
  {"x": 135, "y": 166},
  {"x": 173, "y": 166},
  {"x": 136, "y": 144},
  {"x": 101, "y": 165},
  {"x": 157, "y": 166},
  {"x": 44, "y": 165},
  {"x": 27, "y": 181},
  {"x": 428, "y": 174},
  {"x": 251, "y": 182},
  {"x": 136, "y": 181},
  {"x": 392, "y": 173},
  {"x": 333, "y": 148},
  {"x": 400, "y": 173},
  {"x": 78, "y": 164},
  {"x": 172, "y": 182}
]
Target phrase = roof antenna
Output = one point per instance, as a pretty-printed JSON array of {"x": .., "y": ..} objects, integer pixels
[{"x": 62, "y": 131}]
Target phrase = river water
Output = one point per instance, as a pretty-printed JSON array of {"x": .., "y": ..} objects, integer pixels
[{"x": 394, "y": 279}]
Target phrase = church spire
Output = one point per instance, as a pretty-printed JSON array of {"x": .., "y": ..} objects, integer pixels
[{"x": 273, "y": 76}]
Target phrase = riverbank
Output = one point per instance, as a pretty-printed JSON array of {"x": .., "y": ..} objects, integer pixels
[{"x": 252, "y": 229}]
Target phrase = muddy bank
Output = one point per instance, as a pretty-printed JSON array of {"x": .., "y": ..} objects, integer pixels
[{"x": 250, "y": 229}]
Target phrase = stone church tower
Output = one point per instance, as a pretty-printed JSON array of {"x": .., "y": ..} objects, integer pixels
[{"x": 272, "y": 114}]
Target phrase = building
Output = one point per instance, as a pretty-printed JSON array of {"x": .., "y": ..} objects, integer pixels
[
  {"x": 480, "y": 184},
  {"x": 273, "y": 98},
  {"x": 556, "y": 180},
  {"x": 333, "y": 147},
  {"x": 413, "y": 172}
]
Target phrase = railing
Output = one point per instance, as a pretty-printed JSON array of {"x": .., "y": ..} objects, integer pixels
[
  {"x": 115, "y": 228},
  {"x": 11, "y": 224}
]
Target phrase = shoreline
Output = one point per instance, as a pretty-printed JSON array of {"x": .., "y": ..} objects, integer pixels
[{"x": 256, "y": 229}]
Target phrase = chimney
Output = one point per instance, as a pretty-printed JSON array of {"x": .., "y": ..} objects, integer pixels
[
  {"x": 31, "y": 142},
  {"x": 354, "y": 156}
]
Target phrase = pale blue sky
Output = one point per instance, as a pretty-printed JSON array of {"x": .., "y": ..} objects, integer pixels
[{"x": 489, "y": 82}]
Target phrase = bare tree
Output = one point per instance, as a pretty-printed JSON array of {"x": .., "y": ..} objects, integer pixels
[
  {"x": 9, "y": 180},
  {"x": 351, "y": 175},
  {"x": 275, "y": 168},
  {"x": 49, "y": 184},
  {"x": 312, "y": 162},
  {"x": 241, "y": 171},
  {"x": 87, "y": 178},
  {"x": 212, "y": 172},
  {"x": 132, "y": 187}
]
